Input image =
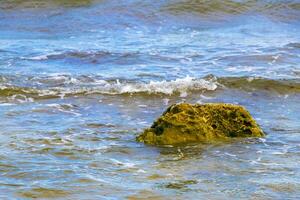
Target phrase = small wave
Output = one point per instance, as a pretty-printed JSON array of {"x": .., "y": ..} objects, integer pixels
[
  {"x": 66, "y": 85},
  {"x": 115, "y": 87},
  {"x": 40, "y": 57},
  {"x": 257, "y": 83},
  {"x": 165, "y": 87},
  {"x": 88, "y": 55},
  {"x": 68, "y": 54},
  {"x": 102, "y": 56},
  {"x": 293, "y": 45}
]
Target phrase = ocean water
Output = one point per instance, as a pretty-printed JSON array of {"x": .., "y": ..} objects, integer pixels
[{"x": 80, "y": 79}]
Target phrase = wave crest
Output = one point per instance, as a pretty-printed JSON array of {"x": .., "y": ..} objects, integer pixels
[
  {"x": 60, "y": 86},
  {"x": 179, "y": 86}
]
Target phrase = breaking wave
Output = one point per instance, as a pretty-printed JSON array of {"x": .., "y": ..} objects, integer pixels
[
  {"x": 112, "y": 87},
  {"x": 281, "y": 86},
  {"x": 60, "y": 86}
]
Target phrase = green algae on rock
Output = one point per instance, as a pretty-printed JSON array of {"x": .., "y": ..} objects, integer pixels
[{"x": 184, "y": 123}]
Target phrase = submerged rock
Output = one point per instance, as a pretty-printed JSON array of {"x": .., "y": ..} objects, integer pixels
[{"x": 183, "y": 123}]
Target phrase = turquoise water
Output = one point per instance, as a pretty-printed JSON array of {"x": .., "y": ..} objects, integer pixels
[{"x": 79, "y": 80}]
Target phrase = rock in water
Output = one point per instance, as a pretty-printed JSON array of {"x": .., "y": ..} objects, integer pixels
[{"x": 184, "y": 123}]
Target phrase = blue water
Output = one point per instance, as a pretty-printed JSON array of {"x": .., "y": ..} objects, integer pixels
[{"x": 79, "y": 80}]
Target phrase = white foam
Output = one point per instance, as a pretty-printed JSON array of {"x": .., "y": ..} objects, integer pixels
[
  {"x": 21, "y": 98},
  {"x": 6, "y": 104},
  {"x": 120, "y": 163},
  {"x": 181, "y": 86},
  {"x": 66, "y": 108},
  {"x": 41, "y": 57}
]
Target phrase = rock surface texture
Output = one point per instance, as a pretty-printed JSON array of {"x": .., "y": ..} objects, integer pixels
[{"x": 186, "y": 123}]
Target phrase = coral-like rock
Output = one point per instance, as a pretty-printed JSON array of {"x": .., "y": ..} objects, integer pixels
[{"x": 184, "y": 123}]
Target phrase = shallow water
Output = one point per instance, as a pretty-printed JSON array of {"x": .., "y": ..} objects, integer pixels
[{"x": 80, "y": 79}]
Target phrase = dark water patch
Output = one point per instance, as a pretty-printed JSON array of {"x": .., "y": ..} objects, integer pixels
[
  {"x": 180, "y": 185},
  {"x": 247, "y": 60},
  {"x": 293, "y": 45},
  {"x": 103, "y": 57},
  {"x": 40, "y": 192},
  {"x": 293, "y": 49},
  {"x": 148, "y": 194},
  {"x": 49, "y": 142},
  {"x": 34, "y": 4},
  {"x": 261, "y": 84},
  {"x": 284, "y": 10},
  {"x": 11, "y": 185},
  {"x": 99, "y": 125},
  {"x": 206, "y": 7},
  {"x": 4, "y": 167},
  {"x": 80, "y": 55},
  {"x": 283, "y": 187},
  {"x": 11, "y": 91}
]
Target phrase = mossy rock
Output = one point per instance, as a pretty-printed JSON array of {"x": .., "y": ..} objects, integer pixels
[{"x": 186, "y": 123}]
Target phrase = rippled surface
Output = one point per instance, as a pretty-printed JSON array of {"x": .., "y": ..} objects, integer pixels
[{"x": 80, "y": 79}]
